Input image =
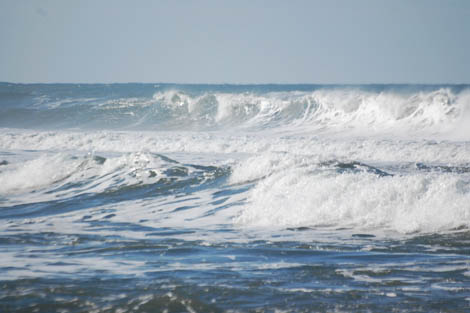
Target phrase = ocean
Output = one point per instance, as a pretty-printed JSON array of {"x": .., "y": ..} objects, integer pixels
[{"x": 234, "y": 198}]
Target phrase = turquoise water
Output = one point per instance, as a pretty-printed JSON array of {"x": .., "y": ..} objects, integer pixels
[{"x": 233, "y": 198}]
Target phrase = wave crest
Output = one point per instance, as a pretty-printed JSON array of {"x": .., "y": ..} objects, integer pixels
[
  {"x": 336, "y": 110},
  {"x": 357, "y": 110},
  {"x": 298, "y": 191},
  {"x": 50, "y": 177}
]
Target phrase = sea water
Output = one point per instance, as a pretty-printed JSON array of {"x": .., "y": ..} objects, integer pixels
[{"x": 234, "y": 198}]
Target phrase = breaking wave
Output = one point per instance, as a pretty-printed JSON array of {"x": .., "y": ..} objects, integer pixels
[
  {"x": 362, "y": 110},
  {"x": 302, "y": 191},
  {"x": 99, "y": 180}
]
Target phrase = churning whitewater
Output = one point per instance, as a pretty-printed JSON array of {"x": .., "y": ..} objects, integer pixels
[{"x": 210, "y": 198}]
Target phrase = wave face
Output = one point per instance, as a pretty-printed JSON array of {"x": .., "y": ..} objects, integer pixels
[
  {"x": 322, "y": 109},
  {"x": 64, "y": 178},
  {"x": 228, "y": 198}
]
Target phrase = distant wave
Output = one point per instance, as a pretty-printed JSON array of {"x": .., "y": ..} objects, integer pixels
[{"x": 340, "y": 109}]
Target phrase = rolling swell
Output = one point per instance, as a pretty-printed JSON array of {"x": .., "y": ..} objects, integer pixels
[{"x": 60, "y": 183}]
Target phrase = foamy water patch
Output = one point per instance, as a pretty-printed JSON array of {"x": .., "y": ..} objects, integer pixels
[
  {"x": 37, "y": 173},
  {"x": 329, "y": 110},
  {"x": 354, "y": 195},
  {"x": 53, "y": 176},
  {"x": 325, "y": 147}
]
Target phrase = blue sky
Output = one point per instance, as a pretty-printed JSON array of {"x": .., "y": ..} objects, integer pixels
[{"x": 334, "y": 41}]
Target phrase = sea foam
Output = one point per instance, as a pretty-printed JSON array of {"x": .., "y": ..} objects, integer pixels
[{"x": 301, "y": 191}]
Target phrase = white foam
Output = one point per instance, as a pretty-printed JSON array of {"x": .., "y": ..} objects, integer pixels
[
  {"x": 366, "y": 149},
  {"x": 297, "y": 192},
  {"x": 35, "y": 179},
  {"x": 331, "y": 111},
  {"x": 328, "y": 110},
  {"x": 36, "y": 173}
]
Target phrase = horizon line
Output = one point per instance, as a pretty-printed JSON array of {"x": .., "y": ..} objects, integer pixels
[{"x": 235, "y": 84}]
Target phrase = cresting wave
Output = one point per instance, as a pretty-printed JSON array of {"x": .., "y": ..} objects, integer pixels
[
  {"x": 303, "y": 191},
  {"x": 288, "y": 190},
  {"x": 100, "y": 180},
  {"x": 360, "y": 110},
  {"x": 439, "y": 110}
]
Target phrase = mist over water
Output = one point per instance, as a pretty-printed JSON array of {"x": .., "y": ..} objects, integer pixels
[{"x": 210, "y": 198}]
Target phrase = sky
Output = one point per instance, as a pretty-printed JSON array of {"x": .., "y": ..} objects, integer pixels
[{"x": 242, "y": 41}]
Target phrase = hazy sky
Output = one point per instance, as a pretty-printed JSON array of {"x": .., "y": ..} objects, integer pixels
[{"x": 344, "y": 41}]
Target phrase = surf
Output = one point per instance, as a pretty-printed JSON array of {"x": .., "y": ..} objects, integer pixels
[{"x": 362, "y": 110}]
